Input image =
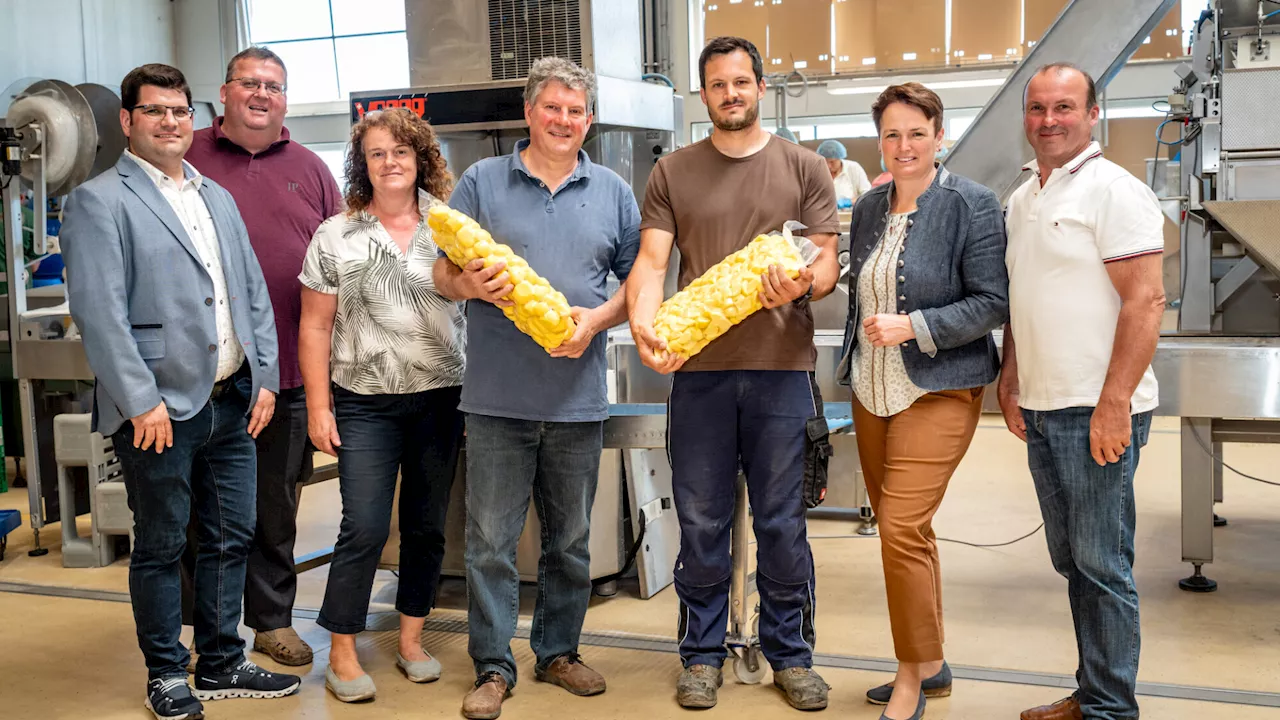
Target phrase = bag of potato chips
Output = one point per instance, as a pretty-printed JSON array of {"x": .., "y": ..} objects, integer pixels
[{"x": 729, "y": 291}]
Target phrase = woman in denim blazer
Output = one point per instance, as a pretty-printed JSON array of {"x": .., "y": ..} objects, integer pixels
[{"x": 927, "y": 285}]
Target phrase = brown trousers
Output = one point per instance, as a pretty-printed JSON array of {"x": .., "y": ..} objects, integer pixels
[{"x": 908, "y": 460}]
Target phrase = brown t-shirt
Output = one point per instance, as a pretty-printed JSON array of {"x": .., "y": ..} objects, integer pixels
[{"x": 715, "y": 205}]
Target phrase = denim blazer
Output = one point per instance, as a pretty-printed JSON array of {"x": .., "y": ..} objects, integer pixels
[{"x": 952, "y": 281}]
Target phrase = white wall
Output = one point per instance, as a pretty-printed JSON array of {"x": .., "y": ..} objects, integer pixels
[
  {"x": 204, "y": 39},
  {"x": 80, "y": 41}
]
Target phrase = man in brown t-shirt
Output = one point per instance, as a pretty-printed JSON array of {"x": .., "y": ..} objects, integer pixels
[{"x": 747, "y": 396}]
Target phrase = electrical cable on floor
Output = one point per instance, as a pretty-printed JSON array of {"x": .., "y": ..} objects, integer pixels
[
  {"x": 993, "y": 545},
  {"x": 941, "y": 539},
  {"x": 1209, "y": 451}
]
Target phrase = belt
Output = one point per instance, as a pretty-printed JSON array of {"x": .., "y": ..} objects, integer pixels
[{"x": 221, "y": 387}]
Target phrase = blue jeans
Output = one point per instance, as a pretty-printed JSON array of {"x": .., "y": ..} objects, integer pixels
[
  {"x": 717, "y": 420},
  {"x": 508, "y": 460},
  {"x": 213, "y": 466},
  {"x": 415, "y": 436},
  {"x": 1089, "y": 524}
]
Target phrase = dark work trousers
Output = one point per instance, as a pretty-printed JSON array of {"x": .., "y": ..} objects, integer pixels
[{"x": 284, "y": 460}]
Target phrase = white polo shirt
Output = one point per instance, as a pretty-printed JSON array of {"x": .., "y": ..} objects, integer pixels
[{"x": 1063, "y": 305}]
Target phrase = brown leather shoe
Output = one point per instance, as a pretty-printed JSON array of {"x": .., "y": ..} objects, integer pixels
[
  {"x": 485, "y": 701},
  {"x": 570, "y": 673},
  {"x": 283, "y": 645},
  {"x": 1064, "y": 709}
]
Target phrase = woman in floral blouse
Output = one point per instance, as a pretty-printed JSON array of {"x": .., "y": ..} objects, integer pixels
[{"x": 382, "y": 357}]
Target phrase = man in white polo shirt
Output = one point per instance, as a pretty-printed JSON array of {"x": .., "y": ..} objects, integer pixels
[{"x": 1086, "y": 298}]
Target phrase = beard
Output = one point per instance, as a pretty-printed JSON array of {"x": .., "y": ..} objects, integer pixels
[{"x": 748, "y": 118}]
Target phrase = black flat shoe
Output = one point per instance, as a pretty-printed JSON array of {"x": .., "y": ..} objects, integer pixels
[
  {"x": 935, "y": 687},
  {"x": 919, "y": 713}
]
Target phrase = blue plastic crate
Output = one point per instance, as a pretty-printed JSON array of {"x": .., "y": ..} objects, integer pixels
[{"x": 10, "y": 520}]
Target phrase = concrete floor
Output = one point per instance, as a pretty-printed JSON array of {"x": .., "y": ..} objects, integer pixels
[{"x": 1006, "y": 610}]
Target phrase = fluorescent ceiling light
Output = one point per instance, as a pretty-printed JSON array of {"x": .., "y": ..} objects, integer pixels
[{"x": 938, "y": 85}]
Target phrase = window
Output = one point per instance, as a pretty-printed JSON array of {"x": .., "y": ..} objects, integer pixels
[
  {"x": 334, "y": 47},
  {"x": 334, "y": 155},
  {"x": 957, "y": 122},
  {"x": 802, "y": 133},
  {"x": 1191, "y": 10}
]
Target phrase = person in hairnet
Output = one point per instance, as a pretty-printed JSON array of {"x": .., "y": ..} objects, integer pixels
[{"x": 850, "y": 179}]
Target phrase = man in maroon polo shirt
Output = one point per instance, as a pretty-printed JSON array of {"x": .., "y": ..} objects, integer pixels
[{"x": 284, "y": 191}]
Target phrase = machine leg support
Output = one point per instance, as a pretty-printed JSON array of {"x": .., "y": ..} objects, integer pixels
[
  {"x": 608, "y": 589},
  {"x": 868, "y": 519},
  {"x": 1198, "y": 583},
  {"x": 38, "y": 551}
]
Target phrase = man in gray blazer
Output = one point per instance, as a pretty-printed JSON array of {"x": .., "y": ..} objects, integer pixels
[{"x": 178, "y": 328}]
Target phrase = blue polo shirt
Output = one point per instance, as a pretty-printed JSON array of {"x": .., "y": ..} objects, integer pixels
[{"x": 573, "y": 238}]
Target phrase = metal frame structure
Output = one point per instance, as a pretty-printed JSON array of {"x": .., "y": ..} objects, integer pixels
[{"x": 1228, "y": 201}]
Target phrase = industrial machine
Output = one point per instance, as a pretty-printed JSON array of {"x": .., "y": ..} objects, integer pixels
[
  {"x": 1220, "y": 370},
  {"x": 1226, "y": 186},
  {"x": 53, "y": 137}
]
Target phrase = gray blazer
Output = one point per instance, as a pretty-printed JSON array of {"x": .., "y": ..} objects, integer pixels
[
  {"x": 952, "y": 281},
  {"x": 142, "y": 298}
]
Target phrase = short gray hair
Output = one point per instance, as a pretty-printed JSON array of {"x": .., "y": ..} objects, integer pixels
[{"x": 565, "y": 72}]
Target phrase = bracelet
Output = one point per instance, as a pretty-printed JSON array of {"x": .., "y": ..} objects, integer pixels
[{"x": 805, "y": 298}]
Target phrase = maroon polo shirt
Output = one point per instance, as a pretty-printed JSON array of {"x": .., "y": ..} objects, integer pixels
[{"x": 284, "y": 193}]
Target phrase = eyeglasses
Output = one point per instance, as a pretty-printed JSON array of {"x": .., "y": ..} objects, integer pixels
[
  {"x": 252, "y": 85},
  {"x": 156, "y": 112}
]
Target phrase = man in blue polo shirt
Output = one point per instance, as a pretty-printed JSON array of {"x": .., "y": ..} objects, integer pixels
[{"x": 535, "y": 419}]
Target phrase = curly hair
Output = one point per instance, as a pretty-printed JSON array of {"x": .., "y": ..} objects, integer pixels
[{"x": 405, "y": 127}]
